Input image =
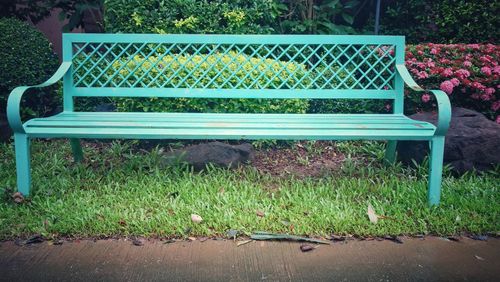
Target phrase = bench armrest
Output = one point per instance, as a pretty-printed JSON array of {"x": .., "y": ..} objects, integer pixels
[
  {"x": 14, "y": 100},
  {"x": 444, "y": 106}
]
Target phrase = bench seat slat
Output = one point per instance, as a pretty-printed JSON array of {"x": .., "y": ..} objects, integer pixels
[
  {"x": 225, "y": 133},
  {"x": 228, "y": 126}
]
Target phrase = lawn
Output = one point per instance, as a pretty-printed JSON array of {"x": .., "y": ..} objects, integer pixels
[{"x": 120, "y": 190}]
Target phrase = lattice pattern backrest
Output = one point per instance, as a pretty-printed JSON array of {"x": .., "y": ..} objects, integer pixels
[{"x": 211, "y": 64}]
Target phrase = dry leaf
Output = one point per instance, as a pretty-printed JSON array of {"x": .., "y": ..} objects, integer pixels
[
  {"x": 478, "y": 257},
  {"x": 138, "y": 242},
  {"x": 306, "y": 248},
  {"x": 18, "y": 197},
  {"x": 196, "y": 218},
  {"x": 371, "y": 214},
  {"x": 192, "y": 238},
  {"x": 260, "y": 213},
  {"x": 243, "y": 242}
]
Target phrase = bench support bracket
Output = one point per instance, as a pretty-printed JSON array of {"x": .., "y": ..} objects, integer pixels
[
  {"x": 76, "y": 148},
  {"x": 22, "y": 146},
  {"x": 435, "y": 170}
]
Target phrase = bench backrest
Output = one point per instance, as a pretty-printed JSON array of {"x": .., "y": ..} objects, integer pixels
[{"x": 233, "y": 66}]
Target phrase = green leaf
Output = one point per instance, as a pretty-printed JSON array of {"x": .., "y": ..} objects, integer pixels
[{"x": 348, "y": 18}]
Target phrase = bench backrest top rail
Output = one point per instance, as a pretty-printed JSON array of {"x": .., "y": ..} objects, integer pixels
[{"x": 233, "y": 66}]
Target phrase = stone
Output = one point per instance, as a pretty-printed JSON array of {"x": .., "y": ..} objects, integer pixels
[
  {"x": 216, "y": 153},
  {"x": 472, "y": 142}
]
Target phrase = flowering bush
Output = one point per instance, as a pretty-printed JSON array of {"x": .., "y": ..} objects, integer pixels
[{"x": 468, "y": 73}]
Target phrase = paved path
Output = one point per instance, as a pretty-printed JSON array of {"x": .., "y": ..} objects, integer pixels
[{"x": 432, "y": 259}]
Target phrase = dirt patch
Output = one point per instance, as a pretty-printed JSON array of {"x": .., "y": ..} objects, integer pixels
[{"x": 304, "y": 159}]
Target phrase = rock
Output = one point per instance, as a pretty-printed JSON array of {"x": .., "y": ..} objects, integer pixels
[
  {"x": 5, "y": 131},
  {"x": 216, "y": 153},
  {"x": 472, "y": 142}
]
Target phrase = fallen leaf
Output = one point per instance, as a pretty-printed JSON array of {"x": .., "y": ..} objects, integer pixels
[
  {"x": 57, "y": 242},
  {"x": 169, "y": 241},
  {"x": 35, "y": 239},
  {"x": 196, "y": 218},
  {"x": 243, "y": 242},
  {"x": 478, "y": 257},
  {"x": 138, "y": 242},
  {"x": 454, "y": 238},
  {"x": 306, "y": 248},
  {"x": 122, "y": 222},
  {"x": 260, "y": 213},
  {"x": 261, "y": 235},
  {"x": 18, "y": 198},
  {"x": 203, "y": 239},
  {"x": 192, "y": 238},
  {"x": 337, "y": 238},
  {"x": 395, "y": 239},
  {"x": 371, "y": 214}
]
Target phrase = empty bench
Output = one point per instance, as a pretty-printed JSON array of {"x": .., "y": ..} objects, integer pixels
[{"x": 246, "y": 66}]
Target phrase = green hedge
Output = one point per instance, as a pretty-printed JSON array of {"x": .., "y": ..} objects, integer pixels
[
  {"x": 187, "y": 16},
  {"x": 27, "y": 59},
  {"x": 215, "y": 66},
  {"x": 451, "y": 21}
]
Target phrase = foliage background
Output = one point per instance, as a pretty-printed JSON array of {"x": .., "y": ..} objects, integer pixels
[{"x": 27, "y": 59}]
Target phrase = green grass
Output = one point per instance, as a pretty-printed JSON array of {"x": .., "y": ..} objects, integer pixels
[{"x": 121, "y": 192}]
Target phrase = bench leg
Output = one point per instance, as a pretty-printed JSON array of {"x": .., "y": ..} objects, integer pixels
[
  {"x": 390, "y": 151},
  {"x": 435, "y": 170},
  {"x": 76, "y": 147},
  {"x": 22, "y": 147}
]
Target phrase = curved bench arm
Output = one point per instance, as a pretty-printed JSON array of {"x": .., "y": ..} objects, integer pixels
[
  {"x": 14, "y": 100},
  {"x": 444, "y": 106}
]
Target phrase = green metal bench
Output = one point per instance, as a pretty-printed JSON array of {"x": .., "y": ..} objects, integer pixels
[{"x": 261, "y": 66}]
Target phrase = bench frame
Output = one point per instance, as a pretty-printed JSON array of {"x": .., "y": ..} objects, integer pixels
[{"x": 436, "y": 142}]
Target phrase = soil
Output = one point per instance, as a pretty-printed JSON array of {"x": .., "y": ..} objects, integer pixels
[{"x": 304, "y": 159}]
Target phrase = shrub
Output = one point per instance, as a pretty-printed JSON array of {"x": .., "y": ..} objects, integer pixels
[
  {"x": 187, "y": 16},
  {"x": 27, "y": 59},
  {"x": 468, "y": 73},
  {"x": 454, "y": 21},
  {"x": 215, "y": 67}
]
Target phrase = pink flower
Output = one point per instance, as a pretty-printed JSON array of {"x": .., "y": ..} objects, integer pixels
[
  {"x": 496, "y": 69},
  {"x": 420, "y": 52},
  {"x": 461, "y": 73},
  {"x": 426, "y": 98},
  {"x": 447, "y": 72},
  {"x": 434, "y": 51},
  {"x": 498, "y": 119},
  {"x": 485, "y": 59},
  {"x": 474, "y": 46},
  {"x": 489, "y": 90},
  {"x": 485, "y": 97},
  {"x": 486, "y": 70},
  {"x": 422, "y": 75},
  {"x": 467, "y": 64},
  {"x": 496, "y": 106},
  {"x": 455, "y": 81},
  {"x": 478, "y": 85},
  {"x": 447, "y": 86}
]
